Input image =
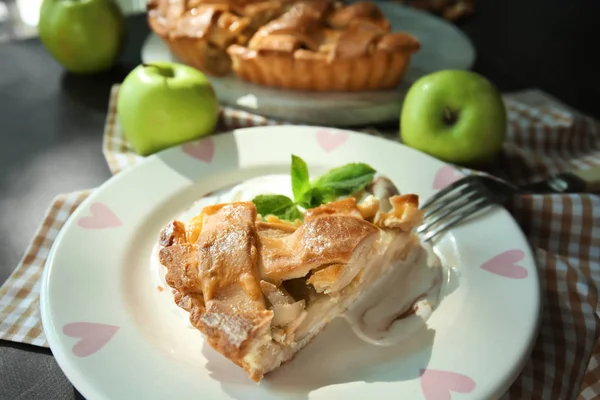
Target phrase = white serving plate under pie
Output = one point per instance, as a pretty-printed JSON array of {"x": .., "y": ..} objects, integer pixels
[
  {"x": 117, "y": 336},
  {"x": 443, "y": 47}
]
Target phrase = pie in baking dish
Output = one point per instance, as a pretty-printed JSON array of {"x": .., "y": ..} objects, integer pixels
[
  {"x": 260, "y": 289},
  {"x": 317, "y": 45}
]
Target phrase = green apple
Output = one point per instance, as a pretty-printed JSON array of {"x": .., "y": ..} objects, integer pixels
[
  {"x": 456, "y": 116},
  {"x": 84, "y": 36},
  {"x": 164, "y": 104}
]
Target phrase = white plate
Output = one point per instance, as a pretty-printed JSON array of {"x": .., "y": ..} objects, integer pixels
[
  {"x": 443, "y": 47},
  {"x": 116, "y": 336}
]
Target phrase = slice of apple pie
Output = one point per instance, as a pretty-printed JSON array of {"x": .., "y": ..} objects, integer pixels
[{"x": 260, "y": 290}]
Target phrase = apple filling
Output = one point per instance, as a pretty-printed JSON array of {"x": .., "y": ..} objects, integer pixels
[{"x": 300, "y": 303}]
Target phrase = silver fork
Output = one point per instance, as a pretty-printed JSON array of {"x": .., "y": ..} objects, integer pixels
[{"x": 458, "y": 201}]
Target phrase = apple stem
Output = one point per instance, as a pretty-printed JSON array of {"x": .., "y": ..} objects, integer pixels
[
  {"x": 166, "y": 72},
  {"x": 450, "y": 117}
]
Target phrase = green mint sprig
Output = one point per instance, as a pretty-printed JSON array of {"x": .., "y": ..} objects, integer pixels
[
  {"x": 337, "y": 182},
  {"x": 277, "y": 204}
]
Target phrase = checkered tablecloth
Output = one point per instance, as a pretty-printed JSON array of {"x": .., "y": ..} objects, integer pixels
[{"x": 564, "y": 230}]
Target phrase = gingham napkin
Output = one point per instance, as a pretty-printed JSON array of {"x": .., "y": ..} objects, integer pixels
[{"x": 564, "y": 230}]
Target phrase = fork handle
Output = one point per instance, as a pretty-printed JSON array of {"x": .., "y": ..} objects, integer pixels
[
  {"x": 590, "y": 177},
  {"x": 577, "y": 181}
]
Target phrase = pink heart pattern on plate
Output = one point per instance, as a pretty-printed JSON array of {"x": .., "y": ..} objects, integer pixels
[
  {"x": 445, "y": 176},
  {"x": 203, "y": 150},
  {"x": 102, "y": 217},
  {"x": 438, "y": 385},
  {"x": 330, "y": 139},
  {"x": 504, "y": 264},
  {"x": 92, "y": 337}
]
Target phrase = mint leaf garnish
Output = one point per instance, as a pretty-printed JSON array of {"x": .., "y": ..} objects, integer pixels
[
  {"x": 346, "y": 180},
  {"x": 291, "y": 214},
  {"x": 300, "y": 178},
  {"x": 316, "y": 196},
  {"x": 337, "y": 182},
  {"x": 278, "y": 205}
]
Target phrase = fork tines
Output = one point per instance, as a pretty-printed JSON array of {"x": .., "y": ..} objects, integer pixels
[{"x": 453, "y": 204}]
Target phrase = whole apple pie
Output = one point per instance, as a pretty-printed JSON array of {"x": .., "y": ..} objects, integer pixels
[
  {"x": 317, "y": 45},
  {"x": 261, "y": 288}
]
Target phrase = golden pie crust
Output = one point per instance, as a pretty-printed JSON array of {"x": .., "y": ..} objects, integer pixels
[
  {"x": 262, "y": 290},
  {"x": 314, "y": 45}
]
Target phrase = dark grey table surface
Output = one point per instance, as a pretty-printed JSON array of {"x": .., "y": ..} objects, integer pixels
[{"x": 51, "y": 128}]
